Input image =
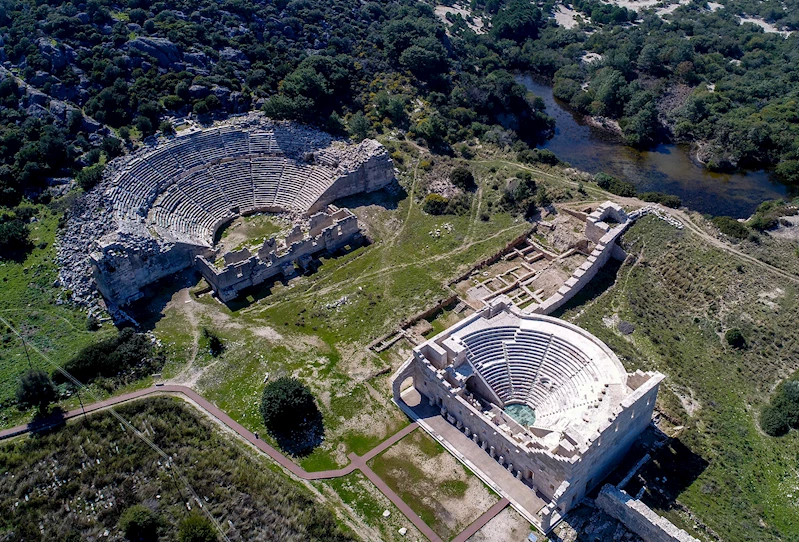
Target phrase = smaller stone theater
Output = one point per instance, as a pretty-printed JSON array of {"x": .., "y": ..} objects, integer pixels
[{"x": 542, "y": 398}]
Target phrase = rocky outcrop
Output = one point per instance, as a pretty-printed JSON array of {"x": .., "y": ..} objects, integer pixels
[{"x": 162, "y": 50}]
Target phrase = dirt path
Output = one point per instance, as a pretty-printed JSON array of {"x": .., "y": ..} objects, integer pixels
[{"x": 189, "y": 375}]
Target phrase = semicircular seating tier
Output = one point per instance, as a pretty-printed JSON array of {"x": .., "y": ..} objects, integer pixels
[
  {"x": 541, "y": 363},
  {"x": 185, "y": 189}
]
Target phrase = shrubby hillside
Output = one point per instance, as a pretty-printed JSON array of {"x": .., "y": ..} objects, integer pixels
[
  {"x": 89, "y": 74},
  {"x": 696, "y": 74}
]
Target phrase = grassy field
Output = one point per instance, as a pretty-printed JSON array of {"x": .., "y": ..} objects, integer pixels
[
  {"x": 358, "y": 497},
  {"x": 316, "y": 327},
  {"x": 29, "y": 301},
  {"x": 433, "y": 483},
  {"x": 80, "y": 478},
  {"x": 681, "y": 295}
]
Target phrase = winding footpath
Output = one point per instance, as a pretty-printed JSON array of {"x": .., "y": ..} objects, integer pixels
[{"x": 357, "y": 462}]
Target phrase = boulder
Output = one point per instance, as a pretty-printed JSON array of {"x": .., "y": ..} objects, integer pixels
[
  {"x": 53, "y": 53},
  {"x": 239, "y": 103},
  {"x": 198, "y": 91},
  {"x": 232, "y": 55},
  {"x": 196, "y": 58},
  {"x": 164, "y": 51},
  {"x": 36, "y": 97}
]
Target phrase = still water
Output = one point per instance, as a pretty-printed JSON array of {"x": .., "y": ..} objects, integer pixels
[{"x": 666, "y": 168}]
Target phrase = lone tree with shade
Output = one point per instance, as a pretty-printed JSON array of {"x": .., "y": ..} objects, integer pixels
[
  {"x": 291, "y": 415},
  {"x": 35, "y": 389},
  {"x": 735, "y": 338},
  {"x": 196, "y": 528},
  {"x": 462, "y": 178},
  {"x": 139, "y": 524}
]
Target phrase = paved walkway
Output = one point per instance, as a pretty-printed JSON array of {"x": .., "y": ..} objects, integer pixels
[
  {"x": 489, "y": 514},
  {"x": 356, "y": 462}
]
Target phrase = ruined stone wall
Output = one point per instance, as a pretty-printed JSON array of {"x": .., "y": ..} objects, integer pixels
[
  {"x": 373, "y": 174},
  {"x": 328, "y": 232},
  {"x": 121, "y": 268},
  {"x": 639, "y": 518},
  {"x": 606, "y": 238}
]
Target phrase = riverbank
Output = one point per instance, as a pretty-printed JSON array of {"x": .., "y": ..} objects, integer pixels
[{"x": 670, "y": 168}]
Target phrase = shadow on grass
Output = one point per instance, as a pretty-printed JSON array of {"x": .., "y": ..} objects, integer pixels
[
  {"x": 303, "y": 440},
  {"x": 604, "y": 279},
  {"x": 671, "y": 471}
]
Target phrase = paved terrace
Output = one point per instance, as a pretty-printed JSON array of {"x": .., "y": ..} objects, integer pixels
[{"x": 356, "y": 462}]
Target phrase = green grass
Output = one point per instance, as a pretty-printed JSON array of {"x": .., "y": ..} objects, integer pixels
[
  {"x": 29, "y": 301},
  {"x": 325, "y": 320},
  {"x": 681, "y": 295},
  {"x": 368, "y": 504}
]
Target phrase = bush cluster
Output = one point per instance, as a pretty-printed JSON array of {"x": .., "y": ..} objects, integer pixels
[
  {"x": 782, "y": 413},
  {"x": 729, "y": 226},
  {"x": 614, "y": 185},
  {"x": 126, "y": 357},
  {"x": 664, "y": 199}
]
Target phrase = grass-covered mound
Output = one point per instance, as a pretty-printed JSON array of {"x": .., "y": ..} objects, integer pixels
[{"x": 79, "y": 480}]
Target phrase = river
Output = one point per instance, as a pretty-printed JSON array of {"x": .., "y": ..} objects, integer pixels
[{"x": 666, "y": 168}]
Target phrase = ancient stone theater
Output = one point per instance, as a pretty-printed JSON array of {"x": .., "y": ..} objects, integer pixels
[
  {"x": 539, "y": 408},
  {"x": 157, "y": 211}
]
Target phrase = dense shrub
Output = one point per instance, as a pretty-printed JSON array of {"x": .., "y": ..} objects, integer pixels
[
  {"x": 291, "y": 415},
  {"x": 664, "y": 199},
  {"x": 215, "y": 345},
  {"x": 35, "y": 389},
  {"x": 90, "y": 176},
  {"x": 196, "y": 528},
  {"x": 520, "y": 195},
  {"x": 127, "y": 356},
  {"x": 729, "y": 226},
  {"x": 735, "y": 338},
  {"x": 435, "y": 204},
  {"x": 139, "y": 524},
  {"x": 614, "y": 185},
  {"x": 15, "y": 240},
  {"x": 782, "y": 413},
  {"x": 462, "y": 178},
  {"x": 540, "y": 156}
]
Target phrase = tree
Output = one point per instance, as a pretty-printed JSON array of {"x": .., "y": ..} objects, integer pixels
[
  {"x": 735, "y": 338},
  {"x": 35, "y": 389},
  {"x": 359, "y": 126},
  {"x": 435, "y": 204},
  {"x": 89, "y": 177},
  {"x": 165, "y": 127},
  {"x": 518, "y": 21},
  {"x": 196, "y": 528},
  {"x": 14, "y": 238},
  {"x": 139, "y": 524},
  {"x": 287, "y": 405},
  {"x": 462, "y": 177}
]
